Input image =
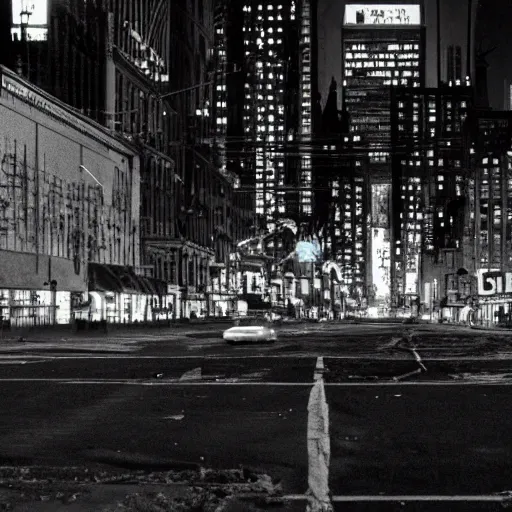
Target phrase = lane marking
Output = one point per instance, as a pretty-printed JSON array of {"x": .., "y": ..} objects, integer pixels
[
  {"x": 408, "y": 498},
  {"x": 318, "y": 446},
  {"x": 319, "y": 368},
  {"x": 18, "y": 354},
  {"x": 177, "y": 383}
]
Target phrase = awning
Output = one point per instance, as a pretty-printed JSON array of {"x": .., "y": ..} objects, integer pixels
[
  {"x": 122, "y": 279},
  {"x": 255, "y": 302}
]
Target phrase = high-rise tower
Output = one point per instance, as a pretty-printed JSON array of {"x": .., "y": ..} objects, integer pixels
[
  {"x": 265, "y": 49},
  {"x": 382, "y": 47}
]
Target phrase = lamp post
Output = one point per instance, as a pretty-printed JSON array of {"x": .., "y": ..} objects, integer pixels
[{"x": 24, "y": 21}]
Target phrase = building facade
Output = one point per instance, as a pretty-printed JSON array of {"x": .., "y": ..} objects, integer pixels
[
  {"x": 70, "y": 214},
  {"x": 488, "y": 235},
  {"x": 381, "y": 48},
  {"x": 428, "y": 192},
  {"x": 263, "y": 107},
  {"x": 449, "y": 39}
]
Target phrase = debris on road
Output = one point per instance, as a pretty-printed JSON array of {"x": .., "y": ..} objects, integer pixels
[
  {"x": 482, "y": 376},
  {"x": 213, "y": 490},
  {"x": 405, "y": 343},
  {"x": 195, "y": 374},
  {"x": 409, "y": 374},
  {"x": 177, "y": 417}
]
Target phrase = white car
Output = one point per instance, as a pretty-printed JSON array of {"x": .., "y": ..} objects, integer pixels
[{"x": 249, "y": 333}]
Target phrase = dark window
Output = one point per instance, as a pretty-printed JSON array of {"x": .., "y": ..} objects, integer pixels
[{"x": 200, "y": 10}]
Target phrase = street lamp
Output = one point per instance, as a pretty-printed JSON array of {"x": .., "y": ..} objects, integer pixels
[{"x": 24, "y": 19}]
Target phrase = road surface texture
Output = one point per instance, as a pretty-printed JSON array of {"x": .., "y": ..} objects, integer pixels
[{"x": 420, "y": 418}]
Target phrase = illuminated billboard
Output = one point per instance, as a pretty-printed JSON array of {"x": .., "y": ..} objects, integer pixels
[
  {"x": 381, "y": 205},
  {"x": 381, "y": 263},
  {"x": 382, "y": 14}
]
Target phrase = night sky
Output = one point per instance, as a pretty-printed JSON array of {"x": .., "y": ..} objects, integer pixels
[{"x": 494, "y": 28}]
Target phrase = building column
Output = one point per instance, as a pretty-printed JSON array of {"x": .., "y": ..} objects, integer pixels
[
  {"x": 110, "y": 69},
  {"x": 196, "y": 269}
]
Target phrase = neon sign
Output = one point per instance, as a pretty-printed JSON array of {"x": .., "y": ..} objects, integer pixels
[
  {"x": 382, "y": 14},
  {"x": 494, "y": 282}
]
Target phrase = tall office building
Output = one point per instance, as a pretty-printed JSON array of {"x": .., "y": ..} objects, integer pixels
[
  {"x": 448, "y": 24},
  {"x": 372, "y": 48},
  {"x": 265, "y": 48},
  {"x": 382, "y": 46},
  {"x": 428, "y": 187}
]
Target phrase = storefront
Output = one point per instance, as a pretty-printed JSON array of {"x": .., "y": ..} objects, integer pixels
[
  {"x": 494, "y": 298},
  {"x": 119, "y": 296},
  {"x": 36, "y": 289},
  {"x": 31, "y": 308}
]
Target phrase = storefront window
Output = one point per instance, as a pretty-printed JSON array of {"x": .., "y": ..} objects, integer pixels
[
  {"x": 112, "y": 307},
  {"x": 63, "y": 311},
  {"x": 30, "y": 308},
  {"x": 4, "y": 305}
]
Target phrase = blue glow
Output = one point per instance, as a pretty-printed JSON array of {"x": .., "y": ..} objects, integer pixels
[{"x": 308, "y": 252}]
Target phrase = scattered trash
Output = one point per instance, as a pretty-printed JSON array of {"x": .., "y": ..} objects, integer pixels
[
  {"x": 70, "y": 499},
  {"x": 158, "y": 375},
  {"x": 195, "y": 374},
  {"x": 177, "y": 417}
]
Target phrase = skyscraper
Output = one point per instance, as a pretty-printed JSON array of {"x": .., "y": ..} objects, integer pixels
[
  {"x": 428, "y": 186},
  {"x": 382, "y": 46},
  {"x": 448, "y": 23},
  {"x": 266, "y": 132},
  {"x": 372, "y": 48}
]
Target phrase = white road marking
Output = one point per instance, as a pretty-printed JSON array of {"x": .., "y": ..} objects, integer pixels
[
  {"x": 408, "y": 498},
  {"x": 319, "y": 368},
  {"x": 498, "y": 357},
  {"x": 318, "y": 446},
  {"x": 177, "y": 383}
]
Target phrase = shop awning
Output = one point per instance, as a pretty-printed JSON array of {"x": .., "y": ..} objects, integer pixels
[
  {"x": 121, "y": 279},
  {"x": 102, "y": 279},
  {"x": 255, "y": 302}
]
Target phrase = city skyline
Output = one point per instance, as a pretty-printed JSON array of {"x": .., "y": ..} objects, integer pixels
[{"x": 235, "y": 145}]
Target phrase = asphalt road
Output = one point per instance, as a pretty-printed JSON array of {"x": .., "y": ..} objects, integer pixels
[{"x": 446, "y": 431}]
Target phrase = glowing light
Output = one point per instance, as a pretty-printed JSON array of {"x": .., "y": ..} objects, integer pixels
[
  {"x": 37, "y": 8},
  {"x": 382, "y": 14}
]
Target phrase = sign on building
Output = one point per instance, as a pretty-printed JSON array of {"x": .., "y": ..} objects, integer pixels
[
  {"x": 382, "y": 14},
  {"x": 493, "y": 282}
]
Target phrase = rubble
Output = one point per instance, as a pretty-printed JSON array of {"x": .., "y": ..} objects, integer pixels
[{"x": 208, "y": 490}]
